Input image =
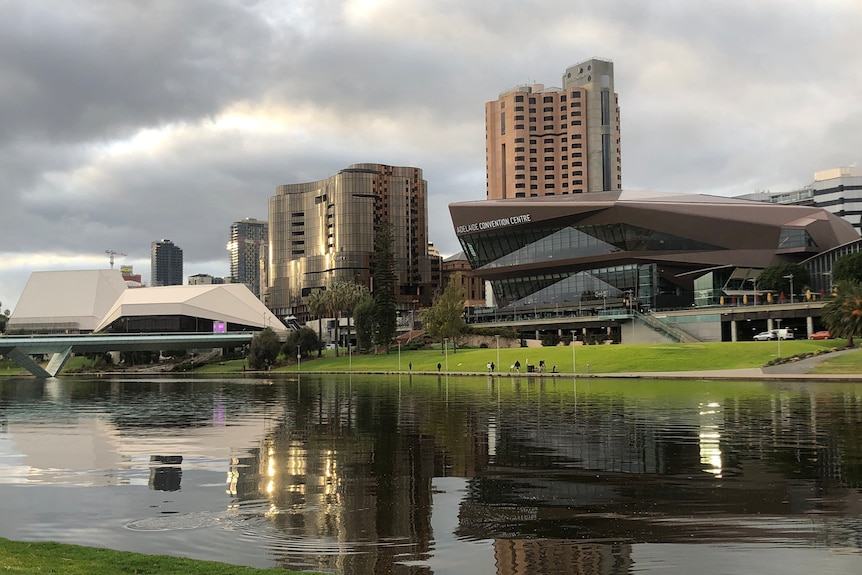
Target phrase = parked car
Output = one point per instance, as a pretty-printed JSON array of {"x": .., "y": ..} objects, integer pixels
[
  {"x": 765, "y": 336},
  {"x": 820, "y": 335}
]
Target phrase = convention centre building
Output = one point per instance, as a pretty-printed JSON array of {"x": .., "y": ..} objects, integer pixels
[{"x": 647, "y": 249}]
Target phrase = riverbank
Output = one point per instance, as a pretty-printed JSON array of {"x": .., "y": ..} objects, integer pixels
[
  {"x": 715, "y": 360},
  {"x": 21, "y": 557}
]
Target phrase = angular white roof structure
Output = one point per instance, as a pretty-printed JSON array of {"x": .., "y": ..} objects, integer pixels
[
  {"x": 232, "y": 303},
  {"x": 62, "y": 301},
  {"x": 90, "y": 300}
]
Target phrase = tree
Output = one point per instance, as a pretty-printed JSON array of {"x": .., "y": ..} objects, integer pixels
[
  {"x": 445, "y": 317},
  {"x": 305, "y": 339},
  {"x": 263, "y": 350},
  {"x": 318, "y": 307},
  {"x": 843, "y": 315},
  {"x": 775, "y": 278},
  {"x": 365, "y": 321},
  {"x": 848, "y": 268},
  {"x": 383, "y": 271}
]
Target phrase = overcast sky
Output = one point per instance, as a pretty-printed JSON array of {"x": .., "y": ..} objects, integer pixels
[{"x": 123, "y": 122}]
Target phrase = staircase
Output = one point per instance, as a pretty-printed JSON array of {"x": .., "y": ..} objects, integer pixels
[{"x": 668, "y": 330}]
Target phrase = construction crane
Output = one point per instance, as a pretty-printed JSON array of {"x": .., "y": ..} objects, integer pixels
[{"x": 111, "y": 254}]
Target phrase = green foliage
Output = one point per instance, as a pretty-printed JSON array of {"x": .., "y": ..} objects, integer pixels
[
  {"x": 318, "y": 306},
  {"x": 364, "y": 320},
  {"x": 843, "y": 314},
  {"x": 445, "y": 318},
  {"x": 383, "y": 270},
  {"x": 848, "y": 268},
  {"x": 263, "y": 350},
  {"x": 504, "y": 332},
  {"x": 305, "y": 339},
  {"x": 773, "y": 278}
]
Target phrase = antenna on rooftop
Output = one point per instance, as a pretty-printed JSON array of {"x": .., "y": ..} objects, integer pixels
[{"x": 111, "y": 254}]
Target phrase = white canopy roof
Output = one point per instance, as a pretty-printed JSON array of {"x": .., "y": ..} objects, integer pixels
[
  {"x": 75, "y": 300},
  {"x": 233, "y": 303}
]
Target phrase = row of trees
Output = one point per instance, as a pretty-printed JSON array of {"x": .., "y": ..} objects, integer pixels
[{"x": 843, "y": 314}]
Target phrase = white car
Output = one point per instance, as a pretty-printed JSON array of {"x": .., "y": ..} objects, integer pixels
[{"x": 765, "y": 336}]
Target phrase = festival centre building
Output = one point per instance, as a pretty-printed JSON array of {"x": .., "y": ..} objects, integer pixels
[{"x": 669, "y": 251}]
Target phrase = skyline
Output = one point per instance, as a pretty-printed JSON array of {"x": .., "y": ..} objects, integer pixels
[{"x": 122, "y": 123}]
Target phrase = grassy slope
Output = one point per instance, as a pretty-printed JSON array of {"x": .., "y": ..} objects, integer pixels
[
  {"x": 601, "y": 358},
  {"x": 24, "y": 557}
]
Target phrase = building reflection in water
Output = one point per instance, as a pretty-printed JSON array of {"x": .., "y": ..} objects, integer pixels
[
  {"x": 166, "y": 472},
  {"x": 559, "y": 480}
]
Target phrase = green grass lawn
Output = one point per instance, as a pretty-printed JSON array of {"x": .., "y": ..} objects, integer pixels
[
  {"x": 55, "y": 558},
  {"x": 600, "y": 358}
]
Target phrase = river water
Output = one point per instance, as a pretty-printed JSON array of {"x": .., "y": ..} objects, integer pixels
[{"x": 421, "y": 475}]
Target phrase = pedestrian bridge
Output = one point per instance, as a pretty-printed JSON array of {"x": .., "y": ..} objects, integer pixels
[{"x": 61, "y": 347}]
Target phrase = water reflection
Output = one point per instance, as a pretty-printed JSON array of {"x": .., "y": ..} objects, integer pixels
[{"x": 446, "y": 475}]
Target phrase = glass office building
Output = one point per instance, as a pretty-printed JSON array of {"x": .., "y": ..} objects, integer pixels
[{"x": 323, "y": 232}]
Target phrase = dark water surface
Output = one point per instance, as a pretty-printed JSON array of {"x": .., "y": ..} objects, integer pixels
[{"x": 420, "y": 475}]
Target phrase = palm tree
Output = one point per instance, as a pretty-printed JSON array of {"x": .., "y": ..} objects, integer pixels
[
  {"x": 318, "y": 306},
  {"x": 843, "y": 315}
]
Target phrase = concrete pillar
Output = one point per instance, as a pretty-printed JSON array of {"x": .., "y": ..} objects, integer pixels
[
  {"x": 769, "y": 325},
  {"x": 733, "y": 328},
  {"x": 809, "y": 326}
]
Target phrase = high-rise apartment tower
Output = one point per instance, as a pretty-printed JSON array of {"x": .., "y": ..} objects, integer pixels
[
  {"x": 166, "y": 261},
  {"x": 550, "y": 141},
  {"x": 323, "y": 232},
  {"x": 248, "y": 243}
]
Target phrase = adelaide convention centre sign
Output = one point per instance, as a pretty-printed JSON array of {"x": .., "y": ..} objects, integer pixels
[{"x": 491, "y": 224}]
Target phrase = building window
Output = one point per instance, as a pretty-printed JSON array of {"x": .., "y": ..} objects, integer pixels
[
  {"x": 576, "y": 104},
  {"x": 518, "y": 127},
  {"x": 532, "y": 101},
  {"x": 548, "y": 109},
  {"x": 519, "y": 149},
  {"x": 520, "y": 186},
  {"x": 576, "y": 94},
  {"x": 521, "y": 195},
  {"x": 519, "y": 118},
  {"x": 549, "y": 150},
  {"x": 533, "y": 168},
  {"x": 519, "y": 98},
  {"x": 547, "y": 128},
  {"x": 548, "y": 119},
  {"x": 549, "y": 186},
  {"x": 534, "y": 186},
  {"x": 519, "y": 158},
  {"x": 519, "y": 140},
  {"x": 520, "y": 168},
  {"x": 549, "y": 176},
  {"x": 548, "y": 99},
  {"x": 519, "y": 108},
  {"x": 520, "y": 177},
  {"x": 549, "y": 158}
]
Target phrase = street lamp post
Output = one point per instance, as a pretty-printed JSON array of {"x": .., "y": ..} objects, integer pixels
[
  {"x": 399, "y": 356},
  {"x": 298, "y": 358},
  {"x": 497, "y": 337},
  {"x": 778, "y": 336},
  {"x": 446, "y": 352},
  {"x": 790, "y": 277},
  {"x": 574, "y": 360}
]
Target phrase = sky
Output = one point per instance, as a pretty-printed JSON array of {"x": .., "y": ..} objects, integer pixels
[{"x": 123, "y": 122}]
